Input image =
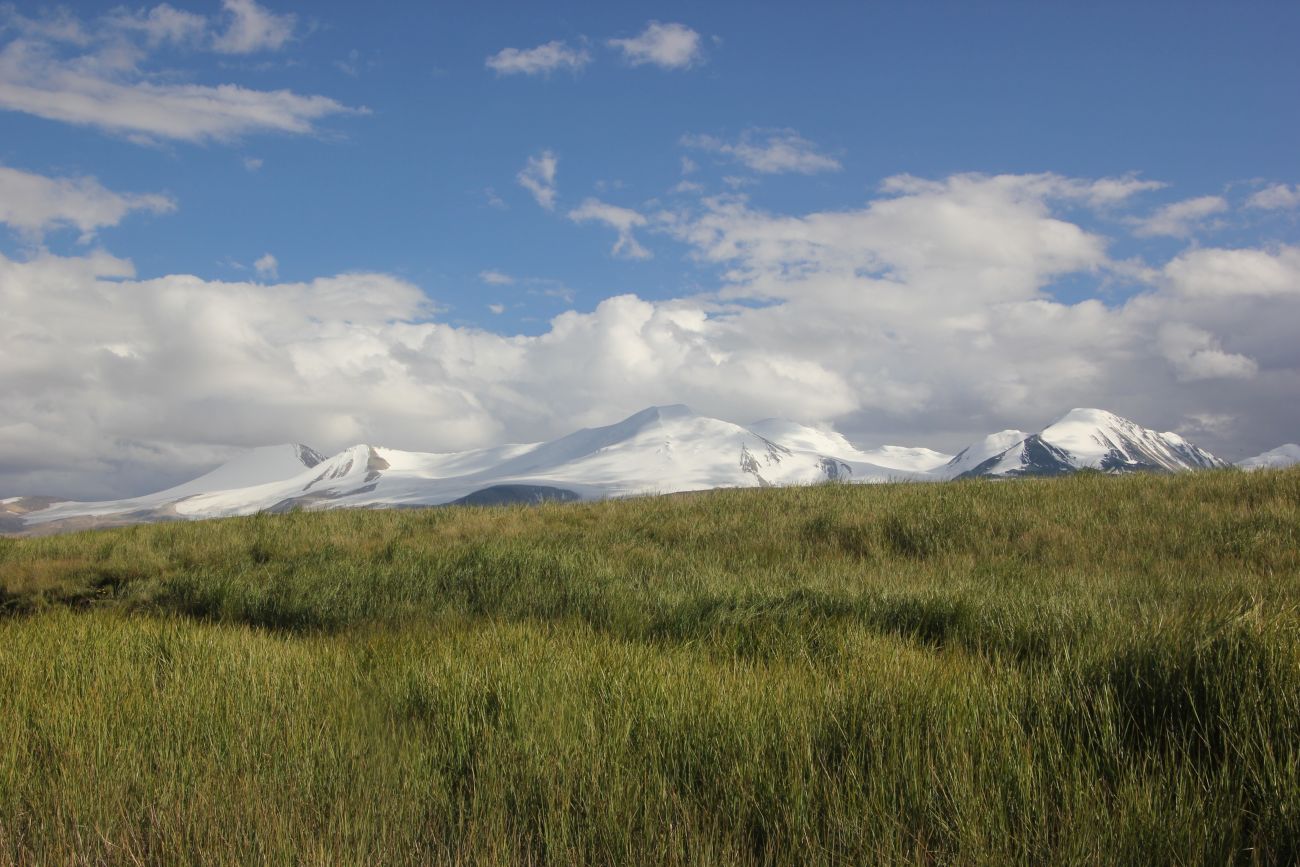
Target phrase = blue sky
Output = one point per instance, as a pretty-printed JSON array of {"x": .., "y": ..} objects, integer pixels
[{"x": 355, "y": 144}]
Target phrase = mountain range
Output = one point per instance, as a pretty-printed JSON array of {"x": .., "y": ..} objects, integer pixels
[{"x": 659, "y": 450}]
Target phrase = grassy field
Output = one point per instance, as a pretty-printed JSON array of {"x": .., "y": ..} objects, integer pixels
[{"x": 1083, "y": 670}]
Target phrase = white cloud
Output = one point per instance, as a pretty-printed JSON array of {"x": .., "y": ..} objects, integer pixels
[
  {"x": 267, "y": 266},
  {"x": 1179, "y": 219},
  {"x": 157, "y": 111},
  {"x": 98, "y": 80},
  {"x": 161, "y": 24},
  {"x": 350, "y": 65},
  {"x": 33, "y": 204},
  {"x": 1196, "y": 354},
  {"x": 253, "y": 28},
  {"x": 553, "y": 289},
  {"x": 248, "y": 27},
  {"x": 769, "y": 151},
  {"x": 994, "y": 237},
  {"x": 497, "y": 308},
  {"x": 252, "y": 164},
  {"x": 1113, "y": 191},
  {"x": 941, "y": 298},
  {"x": 1098, "y": 194},
  {"x": 58, "y": 25},
  {"x": 542, "y": 60},
  {"x": 538, "y": 177},
  {"x": 622, "y": 220},
  {"x": 1275, "y": 198},
  {"x": 495, "y": 278},
  {"x": 163, "y": 372},
  {"x": 1219, "y": 273},
  {"x": 669, "y": 46},
  {"x": 925, "y": 315}
]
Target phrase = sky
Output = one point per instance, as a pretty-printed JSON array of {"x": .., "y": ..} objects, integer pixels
[{"x": 443, "y": 226}]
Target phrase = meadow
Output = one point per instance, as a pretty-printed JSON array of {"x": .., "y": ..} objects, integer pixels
[{"x": 1086, "y": 670}]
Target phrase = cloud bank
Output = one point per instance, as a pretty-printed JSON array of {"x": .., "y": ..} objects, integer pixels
[{"x": 925, "y": 315}]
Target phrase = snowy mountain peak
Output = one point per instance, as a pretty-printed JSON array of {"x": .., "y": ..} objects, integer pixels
[
  {"x": 1102, "y": 440},
  {"x": 1091, "y": 416},
  {"x": 1282, "y": 456},
  {"x": 826, "y": 441},
  {"x": 672, "y": 410},
  {"x": 802, "y": 436},
  {"x": 977, "y": 453},
  {"x": 252, "y": 467},
  {"x": 308, "y": 455},
  {"x": 1087, "y": 431},
  {"x": 652, "y": 424},
  {"x": 1086, "y": 438},
  {"x": 652, "y": 414}
]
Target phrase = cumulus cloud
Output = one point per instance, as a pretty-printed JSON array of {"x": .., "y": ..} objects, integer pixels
[
  {"x": 1220, "y": 273},
  {"x": 542, "y": 60},
  {"x": 945, "y": 293},
  {"x": 252, "y": 27},
  {"x": 1275, "y": 198},
  {"x": 622, "y": 220},
  {"x": 93, "y": 75},
  {"x": 769, "y": 151},
  {"x": 668, "y": 46},
  {"x": 926, "y": 315},
  {"x": 34, "y": 204},
  {"x": 538, "y": 177},
  {"x": 1196, "y": 354},
  {"x": 146, "y": 370},
  {"x": 994, "y": 237},
  {"x": 1180, "y": 219}
]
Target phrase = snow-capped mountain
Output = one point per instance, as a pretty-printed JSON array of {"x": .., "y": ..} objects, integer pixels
[
  {"x": 659, "y": 450},
  {"x": 1091, "y": 439},
  {"x": 977, "y": 453},
  {"x": 1282, "y": 456},
  {"x": 829, "y": 442},
  {"x": 253, "y": 467}
]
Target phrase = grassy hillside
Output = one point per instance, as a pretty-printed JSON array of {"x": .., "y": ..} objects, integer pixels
[{"x": 1083, "y": 670}]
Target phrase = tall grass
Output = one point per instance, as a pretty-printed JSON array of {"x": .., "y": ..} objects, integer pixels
[{"x": 1082, "y": 670}]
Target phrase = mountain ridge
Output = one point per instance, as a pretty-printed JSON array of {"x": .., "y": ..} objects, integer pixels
[{"x": 661, "y": 449}]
